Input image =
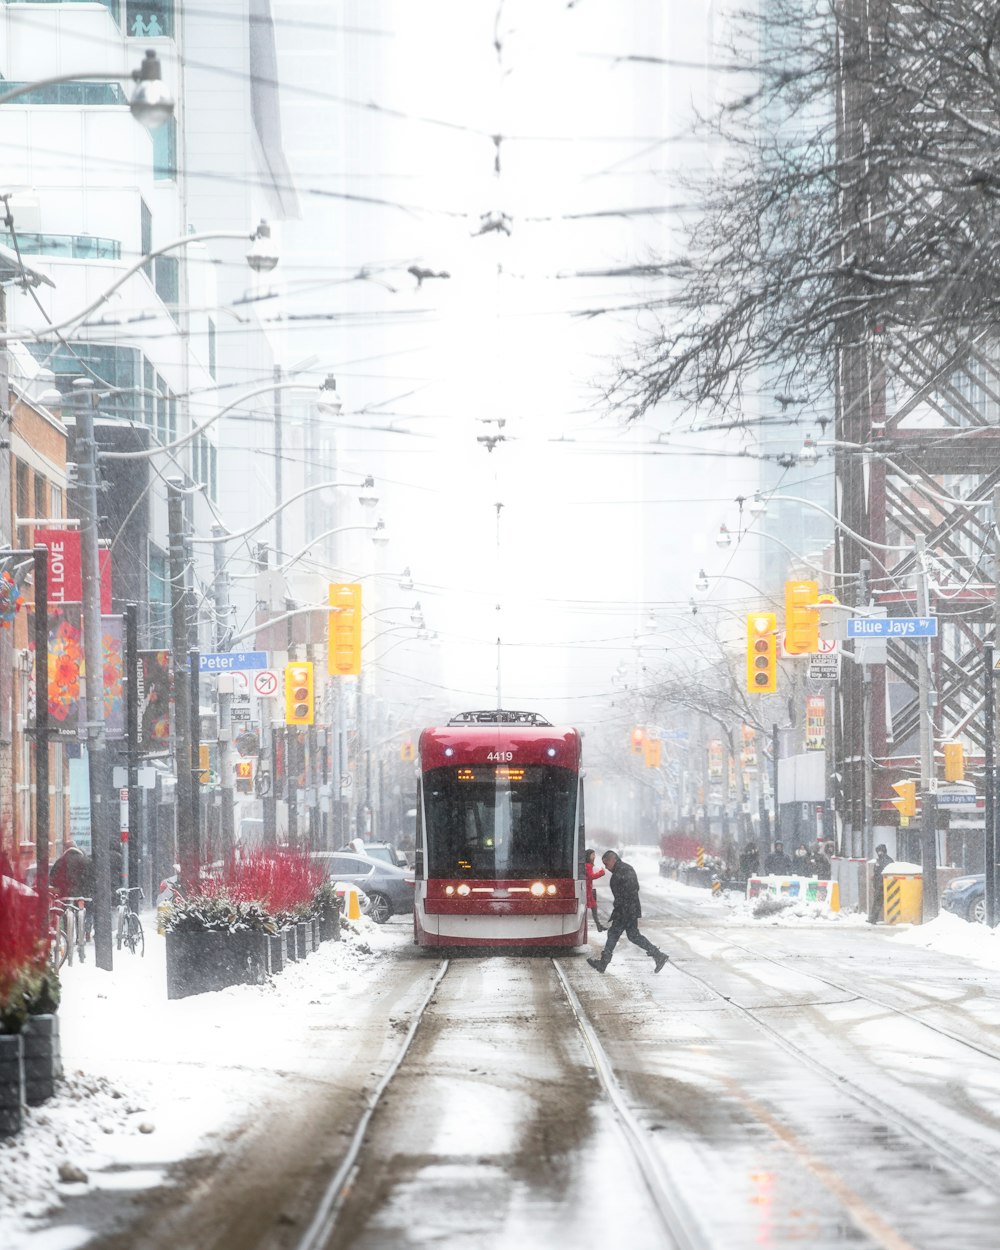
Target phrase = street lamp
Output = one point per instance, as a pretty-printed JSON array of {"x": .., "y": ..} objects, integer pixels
[
  {"x": 329, "y": 401},
  {"x": 701, "y": 582},
  {"x": 262, "y": 257},
  {"x": 151, "y": 103},
  {"x": 723, "y": 538}
]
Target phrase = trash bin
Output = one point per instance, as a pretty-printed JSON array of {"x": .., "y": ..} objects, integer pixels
[{"x": 903, "y": 895}]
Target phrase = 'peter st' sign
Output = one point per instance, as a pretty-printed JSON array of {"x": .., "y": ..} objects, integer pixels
[{"x": 232, "y": 661}]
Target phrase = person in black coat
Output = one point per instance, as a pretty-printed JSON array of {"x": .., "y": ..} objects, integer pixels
[
  {"x": 777, "y": 863},
  {"x": 625, "y": 914},
  {"x": 882, "y": 861}
]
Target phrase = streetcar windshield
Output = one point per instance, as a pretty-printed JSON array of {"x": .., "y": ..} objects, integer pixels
[{"x": 500, "y": 822}]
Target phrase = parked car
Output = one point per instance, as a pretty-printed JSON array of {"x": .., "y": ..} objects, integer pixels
[
  {"x": 389, "y": 888},
  {"x": 377, "y": 850},
  {"x": 966, "y": 897}
]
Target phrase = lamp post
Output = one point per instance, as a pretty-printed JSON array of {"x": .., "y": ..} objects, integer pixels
[{"x": 151, "y": 103}]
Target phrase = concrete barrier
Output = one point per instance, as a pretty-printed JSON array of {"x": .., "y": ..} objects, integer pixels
[{"x": 807, "y": 889}]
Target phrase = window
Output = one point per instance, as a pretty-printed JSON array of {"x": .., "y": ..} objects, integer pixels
[
  {"x": 149, "y": 19},
  {"x": 149, "y": 396},
  {"x": 56, "y": 505},
  {"x": 146, "y": 236},
  {"x": 165, "y": 150},
  {"x": 23, "y": 500},
  {"x": 167, "y": 280}
]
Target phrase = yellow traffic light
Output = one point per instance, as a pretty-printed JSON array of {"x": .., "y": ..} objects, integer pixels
[
  {"x": 651, "y": 751},
  {"x": 204, "y": 769},
  {"x": 762, "y": 653},
  {"x": 801, "y": 618},
  {"x": 344, "y": 630},
  {"x": 954, "y": 761},
  {"x": 299, "y": 694},
  {"x": 406, "y": 751},
  {"x": 906, "y": 804},
  {"x": 638, "y": 737}
]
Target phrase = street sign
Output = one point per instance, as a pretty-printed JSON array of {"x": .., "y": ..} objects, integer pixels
[
  {"x": 265, "y": 683},
  {"x": 824, "y": 668},
  {"x": 228, "y": 661},
  {"x": 674, "y": 735},
  {"x": 957, "y": 795},
  {"x": 240, "y": 713},
  {"x": 895, "y": 627}
]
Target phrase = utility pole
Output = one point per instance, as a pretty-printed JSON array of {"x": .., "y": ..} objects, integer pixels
[
  {"x": 86, "y": 450},
  {"x": 42, "y": 824},
  {"x": 927, "y": 780},
  {"x": 774, "y": 780},
  {"x": 868, "y": 803},
  {"x": 279, "y": 545},
  {"x": 989, "y": 788},
  {"x": 187, "y": 834},
  {"x": 269, "y": 798},
  {"x": 226, "y": 779},
  {"x": 132, "y": 740}
]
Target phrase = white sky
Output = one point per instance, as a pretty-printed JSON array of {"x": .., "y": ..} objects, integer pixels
[{"x": 594, "y": 528}]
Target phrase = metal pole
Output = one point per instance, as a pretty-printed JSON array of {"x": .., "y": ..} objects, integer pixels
[
  {"x": 267, "y": 747},
  {"x": 279, "y": 546},
  {"x": 226, "y": 763},
  {"x": 989, "y": 777},
  {"x": 194, "y": 677},
  {"x": 774, "y": 780},
  {"x": 132, "y": 741},
  {"x": 86, "y": 451},
  {"x": 41, "y": 571},
  {"x": 929, "y": 798},
  {"x": 187, "y": 835}
]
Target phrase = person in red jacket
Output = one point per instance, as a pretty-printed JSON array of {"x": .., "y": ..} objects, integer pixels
[{"x": 592, "y": 875}]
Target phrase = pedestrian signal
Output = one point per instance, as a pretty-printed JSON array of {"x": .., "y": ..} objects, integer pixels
[
  {"x": 762, "y": 653},
  {"x": 906, "y": 804},
  {"x": 954, "y": 761},
  {"x": 344, "y": 630},
  {"x": 801, "y": 618},
  {"x": 244, "y": 776},
  {"x": 299, "y": 694}
]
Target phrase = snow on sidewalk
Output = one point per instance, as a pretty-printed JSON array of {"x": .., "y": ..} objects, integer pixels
[{"x": 149, "y": 1081}]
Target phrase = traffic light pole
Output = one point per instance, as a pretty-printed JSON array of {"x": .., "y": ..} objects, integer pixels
[
  {"x": 927, "y": 778},
  {"x": 187, "y": 834},
  {"x": 989, "y": 785},
  {"x": 225, "y": 732}
]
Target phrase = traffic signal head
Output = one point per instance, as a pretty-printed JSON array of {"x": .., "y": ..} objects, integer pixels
[
  {"x": 406, "y": 750},
  {"x": 638, "y": 737},
  {"x": 762, "y": 653},
  {"x": 299, "y": 694},
  {"x": 344, "y": 630},
  {"x": 954, "y": 761},
  {"x": 651, "y": 752},
  {"x": 801, "y": 618},
  {"x": 906, "y": 804}
]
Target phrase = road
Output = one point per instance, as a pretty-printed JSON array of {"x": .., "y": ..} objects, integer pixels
[{"x": 816, "y": 1085}]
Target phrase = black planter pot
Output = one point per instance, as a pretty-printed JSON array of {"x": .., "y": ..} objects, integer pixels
[
  {"x": 314, "y": 925},
  {"x": 331, "y": 916},
  {"x": 276, "y": 941},
  {"x": 303, "y": 939},
  {"x": 200, "y": 961},
  {"x": 11, "y": 1083},
  {"x": 291, "y": 944},
  {"x": 42, "y": 1058}
]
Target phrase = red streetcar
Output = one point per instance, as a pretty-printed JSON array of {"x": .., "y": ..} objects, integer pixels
[{"x": 500, "y": 833}]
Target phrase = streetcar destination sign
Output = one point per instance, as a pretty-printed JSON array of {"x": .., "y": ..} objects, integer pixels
[{"x": 892, "y": 627}]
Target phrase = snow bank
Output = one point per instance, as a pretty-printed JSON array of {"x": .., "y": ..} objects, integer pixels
[
  {"x": 953, "y": 936},
  {"x": 148, "y": 1080}
]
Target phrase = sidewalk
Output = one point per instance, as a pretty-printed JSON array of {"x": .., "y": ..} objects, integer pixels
[{"x": 150, "y": 1082}]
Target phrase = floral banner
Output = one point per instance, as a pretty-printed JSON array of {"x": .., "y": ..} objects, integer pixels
[
  {"x": 153, "y": 683},
  {"x": 113, "y": 661},
  {"x": 67, "y": 673}
]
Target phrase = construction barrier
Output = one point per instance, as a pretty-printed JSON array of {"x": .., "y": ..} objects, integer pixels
[
  {"x": 352, "y": 904},
  {"x": 904, "y": 897},
  {"x": 808, "y": 889}
]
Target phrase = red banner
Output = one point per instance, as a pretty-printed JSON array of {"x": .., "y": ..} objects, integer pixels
[{"x": 65, "y": 567}]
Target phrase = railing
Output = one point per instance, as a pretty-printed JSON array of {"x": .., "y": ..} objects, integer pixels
[
  {"x": 80, "y": 93},
  {"x": 78, "y": 246}
]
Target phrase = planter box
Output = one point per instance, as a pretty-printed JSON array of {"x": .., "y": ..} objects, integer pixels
[
  {"x": 200, "y": 962},
  {"x": 316, "y": 939},
  {"x": 42, "y": 1059},
  {"x": 330, "y": 920},
  {"x": 291, "y": 944},
  {"x": 276, "y": 941},
  {"x": 303, "y": 939},
  {"x": 11, "y": 1083}
]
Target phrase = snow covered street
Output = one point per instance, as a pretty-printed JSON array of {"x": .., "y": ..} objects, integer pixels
[{"x": 803, "y": 1079}]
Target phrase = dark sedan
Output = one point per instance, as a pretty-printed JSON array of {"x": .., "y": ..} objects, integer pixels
[
  {"x": 389, "y": 888},
  {"x": 966, "y": 897}
]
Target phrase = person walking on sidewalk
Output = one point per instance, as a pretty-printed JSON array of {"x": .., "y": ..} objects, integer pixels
[
  {"x": 592, "y": 875},
  {"x": 625, "y": 914}
]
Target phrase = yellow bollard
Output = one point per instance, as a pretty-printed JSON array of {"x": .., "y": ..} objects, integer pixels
[{"x": 904, "y": 898}]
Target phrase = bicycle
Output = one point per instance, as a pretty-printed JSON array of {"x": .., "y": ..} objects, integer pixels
[
  {"x": 67, "y": 930},
  {"x": 129, "y": 924}
]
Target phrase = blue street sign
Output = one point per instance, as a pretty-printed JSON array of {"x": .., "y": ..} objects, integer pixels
[
  {"x": 892, "y": 627},
  {"x": 674, "y": 735},
  {"x": 232, "y": 661},
  {"x": 966, "y": 798}
]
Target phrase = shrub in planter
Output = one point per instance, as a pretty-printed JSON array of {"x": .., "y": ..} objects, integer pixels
[
  {"x": 25, "y": 982},
  {"x": 328, "y": 905},
  {"x": 212, "y": 942},
  {"x": 12, "y": 1099}
]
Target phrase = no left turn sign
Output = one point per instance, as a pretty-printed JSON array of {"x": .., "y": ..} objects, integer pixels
[{"x": 265, "y": 683}]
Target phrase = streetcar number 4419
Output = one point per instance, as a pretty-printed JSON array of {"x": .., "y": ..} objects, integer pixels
[{"x": 499, "y": 757}]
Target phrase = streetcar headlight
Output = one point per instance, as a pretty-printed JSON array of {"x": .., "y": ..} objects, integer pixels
[
  {"x": 550, "y": 889},
  {"x": 551, "y": 753},
  {"x": 464, "y": 889},
  {"x": 538, "y": 889},
  {"x": 449, "y": 751},
  {"x": 449, "y": 889}
]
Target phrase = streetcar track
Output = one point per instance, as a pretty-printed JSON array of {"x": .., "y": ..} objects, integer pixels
[
  {"x": 945, "y": 1148},
  {"x": 675, "y": 1215}
]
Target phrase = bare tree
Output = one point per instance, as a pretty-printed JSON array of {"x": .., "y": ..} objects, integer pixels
[{"x": 862, "y": 199}]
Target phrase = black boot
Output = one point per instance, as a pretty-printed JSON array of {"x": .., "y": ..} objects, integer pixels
[
  {"x": 659, "y": 959},
  {"x": 597, "y": 964}
]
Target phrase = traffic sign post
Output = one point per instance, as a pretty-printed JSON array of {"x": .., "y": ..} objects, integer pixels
[{"x": 265, "y": 683}]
